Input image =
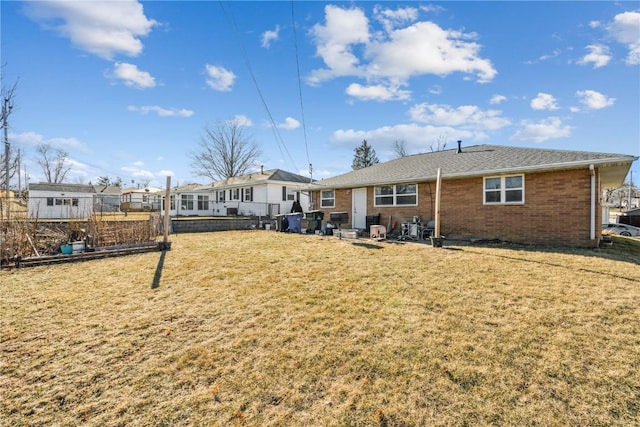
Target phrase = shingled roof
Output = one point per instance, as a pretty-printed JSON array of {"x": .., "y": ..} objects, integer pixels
[
  {"x": 259, "y": 177},
  {"x": 481, "y": 160},
  {"x": 62, "y": 187}
]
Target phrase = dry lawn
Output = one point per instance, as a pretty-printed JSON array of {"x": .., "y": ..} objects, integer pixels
[{"x": 268, "y": 329}]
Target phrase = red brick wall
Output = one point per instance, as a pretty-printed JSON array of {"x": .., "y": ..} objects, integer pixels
[{"x": 556, "y": 210}]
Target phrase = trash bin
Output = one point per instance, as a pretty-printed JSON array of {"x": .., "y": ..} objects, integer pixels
[
  {"x": 282, "y": 224},
  {"x": 314, "y": 221},
  {"x": 295, "y": 222}
]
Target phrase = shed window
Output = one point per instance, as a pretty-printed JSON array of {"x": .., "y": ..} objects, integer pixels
[
  {"x": 328, "y": 199},
  {"x": 504, "y": 189},
  {"x": 49, "y": 201},
  {"x": 396, "y": 195}
]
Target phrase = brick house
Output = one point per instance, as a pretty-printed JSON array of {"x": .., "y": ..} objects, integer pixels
[{"x": 524, "y": 195}]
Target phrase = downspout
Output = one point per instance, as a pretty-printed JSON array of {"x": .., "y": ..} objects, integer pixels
[{"x": 593, "y": 202}]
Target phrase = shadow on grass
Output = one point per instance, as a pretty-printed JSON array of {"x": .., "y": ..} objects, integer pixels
[
  {"x": 367, "y": 245},
  {"x": 158, "y": 274},
  {"x": 623, "y": 249}
]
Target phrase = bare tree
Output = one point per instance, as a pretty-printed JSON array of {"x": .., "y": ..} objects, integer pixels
[
  {"x": 400, "y": 148},
  {"x": 224, "y": 151},
  {"x": 54, "y": 163},
  {"x": 440, "y": 144},
  {"x": 9, "y": 159},
  {"x": 105, "y": 181}
]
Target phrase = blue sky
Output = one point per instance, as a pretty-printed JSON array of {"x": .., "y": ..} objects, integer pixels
[{"x": 127, "y": 87}]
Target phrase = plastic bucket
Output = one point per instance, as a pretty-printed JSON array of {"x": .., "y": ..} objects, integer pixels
[{"x": 77, "y": 247}]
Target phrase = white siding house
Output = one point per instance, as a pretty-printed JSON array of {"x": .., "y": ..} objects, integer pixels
[
  {"x": 140, "y": 199},
  {"x": 264, "y": 193},
  {"x": 48, "y": 200}
]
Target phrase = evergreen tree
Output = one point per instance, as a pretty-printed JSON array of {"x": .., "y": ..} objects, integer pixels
[{"x": 364, "y": 156}]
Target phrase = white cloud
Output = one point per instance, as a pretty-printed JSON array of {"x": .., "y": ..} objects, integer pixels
[
  {"x": 138, "y": 163},
  {"x": 166, "y": 172},
  {"x": 219, "y": 78},
  {"x": 269, "y": 36},
  {"x": 554, "y": 54},
  {"x": 625, "y": 29},
  {"x": 32, "y": 139},
  {"x": 497, "y": 99},
  {"x": 594, "y": 24},
  {"x": 161, "y": 111},
  {"x": 103, "y": 28},
  {"x": 418, "y": 138},
  {"x": 598, "y": 56},
  {"x": 594, "y": 100},
  {"x": 435, "y": 90},
  {"x": 550, "y": 128},
  {"x": 136, "y": 171},
  {"x": 334, "y": 40},
  {"x": 464, "y": 116},
  {"x": 377, "y": 92},
  {"x": 132, "y": 76},
  {"x": 289, "y": 124},
  {"x": 243, "y": 120},
  {"x": 544, "y": 101},
  {"x": 392, "y": 55},
  {"x": 390, "y": 18}
]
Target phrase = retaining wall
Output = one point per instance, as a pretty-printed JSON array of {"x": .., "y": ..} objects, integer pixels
[{"x": 199, "y": 225}]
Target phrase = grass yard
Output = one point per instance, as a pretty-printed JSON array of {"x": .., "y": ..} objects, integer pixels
[{"x": 262, "y": 328}]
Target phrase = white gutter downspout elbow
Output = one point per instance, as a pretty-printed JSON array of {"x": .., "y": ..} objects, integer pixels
[{"x": 593, "y": 202}]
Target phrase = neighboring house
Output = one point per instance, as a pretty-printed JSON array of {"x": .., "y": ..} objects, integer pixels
[
  {"x": 106, "y": 198},
  {"x": 525, "y": 195},
  {"x": 47, "y": 200},
  {"x": 140, "y": 199},
  {"x": 264, "y": 193}
]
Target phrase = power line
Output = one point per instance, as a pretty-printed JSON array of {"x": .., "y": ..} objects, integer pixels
[
  {"x": 304, "y": 126},
  {"x": 281, "y": 144}
]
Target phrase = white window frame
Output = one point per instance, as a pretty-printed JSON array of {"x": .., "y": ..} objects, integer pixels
[
  {"x": 327, "y": 202},
  {"x": 394, "y": 195},
  {"x": 203, "y": 202},
  {"x": 186, "y": 202},
  {"x": 502, "y": 190},
  {"x": 248, "y": 194}
]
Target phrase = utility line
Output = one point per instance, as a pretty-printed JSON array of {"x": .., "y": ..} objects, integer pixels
[
  {"x": 281, "y": 144},
  {"x": 304, "y": 126}
]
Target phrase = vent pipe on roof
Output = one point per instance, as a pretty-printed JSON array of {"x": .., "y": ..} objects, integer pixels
[
  {"x": 261, "y": 169},
  {"x": 459, "y": 146}
]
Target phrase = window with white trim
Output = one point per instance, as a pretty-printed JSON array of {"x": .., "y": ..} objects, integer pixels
[
  {"x": 203, "y": 203},
  {"x": 328, "y": 199},
  {"x": 187, "y": 202},
  {"x": 396, "y": 195},
  {"x": 172, "y": 204},
  {"x": 505, "y": 189},
  {"x": 248, "y": 194}
]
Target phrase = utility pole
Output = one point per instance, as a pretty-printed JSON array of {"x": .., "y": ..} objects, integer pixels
[
  {"x": 6, "y": 108},
  {"x": 19, "y": 174},
  {"x": 629, "y": 194}
]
